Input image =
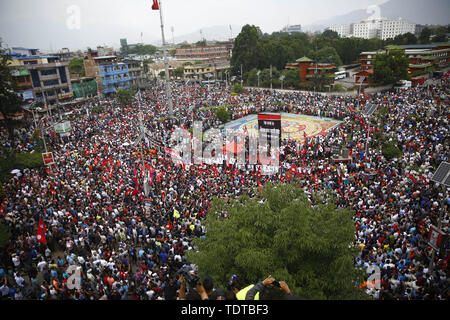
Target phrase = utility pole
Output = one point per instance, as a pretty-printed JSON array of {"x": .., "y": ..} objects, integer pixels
[
  {"x": 166, "y": 64},
  {"x": 173, "y": 37}
]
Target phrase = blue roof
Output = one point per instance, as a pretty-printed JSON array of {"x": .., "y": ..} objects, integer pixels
[
  {"x": 34, "y": 57},
  {"x": 21, "y": 48}
]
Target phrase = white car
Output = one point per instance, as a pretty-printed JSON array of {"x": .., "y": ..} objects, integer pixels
[{"x": 403, "y": 84}]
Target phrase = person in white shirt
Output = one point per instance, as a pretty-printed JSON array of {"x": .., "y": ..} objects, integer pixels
[{"x": 41, "y": 265}]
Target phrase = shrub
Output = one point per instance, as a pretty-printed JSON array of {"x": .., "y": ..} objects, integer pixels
[
  {"x": 237, "y": 88},
  {"x": 98, "y": 109},
  {"x": 390, "y": 151},
  {"x": 222, "y": 114}
]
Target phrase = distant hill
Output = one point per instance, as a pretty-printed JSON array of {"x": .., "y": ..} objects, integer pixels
[
  {"x": 218, "y": 33},
  {"x": 415, "y": 11}
]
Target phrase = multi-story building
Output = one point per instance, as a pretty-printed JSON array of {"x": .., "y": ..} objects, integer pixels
[
  {"x": 136, "y": 72},
  {"x": 39, "y": 75},
  {"x": 84, "y": 87},
  {"x": 381, "y": 28},
  {"x": 392, "y": 28},
  {"x": 368, "y": 29},
  {"x": 109, "y": 72},
  {"x": 310, "y": 70},
  {"x": 422, "y": 58},
  {"x": 105, "y": 51},
  {"x": 210, "y": 54},
  {"x": 343, "y": 30}
]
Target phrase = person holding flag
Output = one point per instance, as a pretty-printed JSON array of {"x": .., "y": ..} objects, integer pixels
[{"x": 40, "y": 236}]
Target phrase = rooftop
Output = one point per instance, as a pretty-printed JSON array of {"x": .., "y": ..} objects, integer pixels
[
  {"x": 304, "y": 59},
  {"x": 104, "y": 57}
]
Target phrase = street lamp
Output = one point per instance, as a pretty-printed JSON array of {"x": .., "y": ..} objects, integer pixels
[{"x": 282, "y": 78}]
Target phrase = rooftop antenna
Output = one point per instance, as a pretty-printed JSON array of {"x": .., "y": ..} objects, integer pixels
[
  {"x": 231, "y": 30},
  {"x": 201, "y": 35}
]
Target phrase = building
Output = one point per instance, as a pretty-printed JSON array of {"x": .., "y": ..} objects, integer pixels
[
  {"x": 205, "y": 71},
  {"x": 292, "y": 29},
  {"x": 368, "y": 29},
  {"x": 108, "y": 71},
  {"x": 310, "y": 70},
  {"x": 38, "y": 75},
  {"x": 382, "y": 28},
  {"x": 84, "y": 87},
  {"x": 209, "y": 54},
  {"x": 112, "y": 73},
  {"x": 366, "y": 59},
  {"x": 343, "y": 30},
  {"x": 422, "y": 59},
  {"x": 24, "y": 51},
  {"x": 136, "y": 72},
  {"x": 105, "y": 51},
  {"x": 392, "y": 28}
]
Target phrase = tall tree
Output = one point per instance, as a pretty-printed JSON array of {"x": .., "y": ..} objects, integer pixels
[
  {"x": 76, "y": 66},
  {"x": 10, "y": 102},
  {"x": 125, "y": 96},
  {"x": 310, "y": 248},
  {"x": 440, "y": 34},
  {"x": 245, "y": 49},
  {"x": 390, "y": 68},
  {"x": 330, "y": 34},
  {"x": 425, "y": 35}
]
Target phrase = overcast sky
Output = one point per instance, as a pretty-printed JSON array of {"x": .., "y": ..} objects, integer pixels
[{"x": 53, "y": 24}]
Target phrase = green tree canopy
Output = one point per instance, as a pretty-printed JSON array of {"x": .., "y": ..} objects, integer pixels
[
  {"x": 10, "y": 102},
  {"x": 222, "y": 114},
  {"x": 140, "y": 49},
  {"x": 390, "y": 68},
  {"x": 425, "y": 35},
  {"x": 245, "y": 49},
  {"x": 440, "y": 34},
  {"x": 76, "y": 66},
  {"x": 125, "y": 96},
  {"x": 326, "y": 55},
  {"x": 330, "y": 34},
  {"x": 310, "y": 248}
]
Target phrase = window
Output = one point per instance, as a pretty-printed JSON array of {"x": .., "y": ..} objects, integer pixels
[
  {"x": 48, "y": 72},
  {"x": 53, "y": 82}
]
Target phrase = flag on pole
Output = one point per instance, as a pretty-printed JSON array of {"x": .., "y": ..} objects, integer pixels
[
  {"x": 41, "y": 232},
  {"x": 155, "y": 5},
  {"x": 260, "y": 186}
]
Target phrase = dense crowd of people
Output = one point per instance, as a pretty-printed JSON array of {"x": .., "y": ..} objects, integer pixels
[{"x": 127, "y": 241}]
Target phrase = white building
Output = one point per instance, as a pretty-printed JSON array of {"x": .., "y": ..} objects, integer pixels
[
  {"x": 368, "y": 29},
  {"x": 381, "y": 28},
  {"x": 392, "y": 28},
  {"x": 343, "y": 30}
]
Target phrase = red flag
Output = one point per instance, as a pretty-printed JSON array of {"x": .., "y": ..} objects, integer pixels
[
  {"x": 2, "y": 208},
  {"x": 293, "y": 169},
  {"x": 260, "y": 186},
  {"x": 155, "y": 5},
  {"x": 41, "y": 232}
]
